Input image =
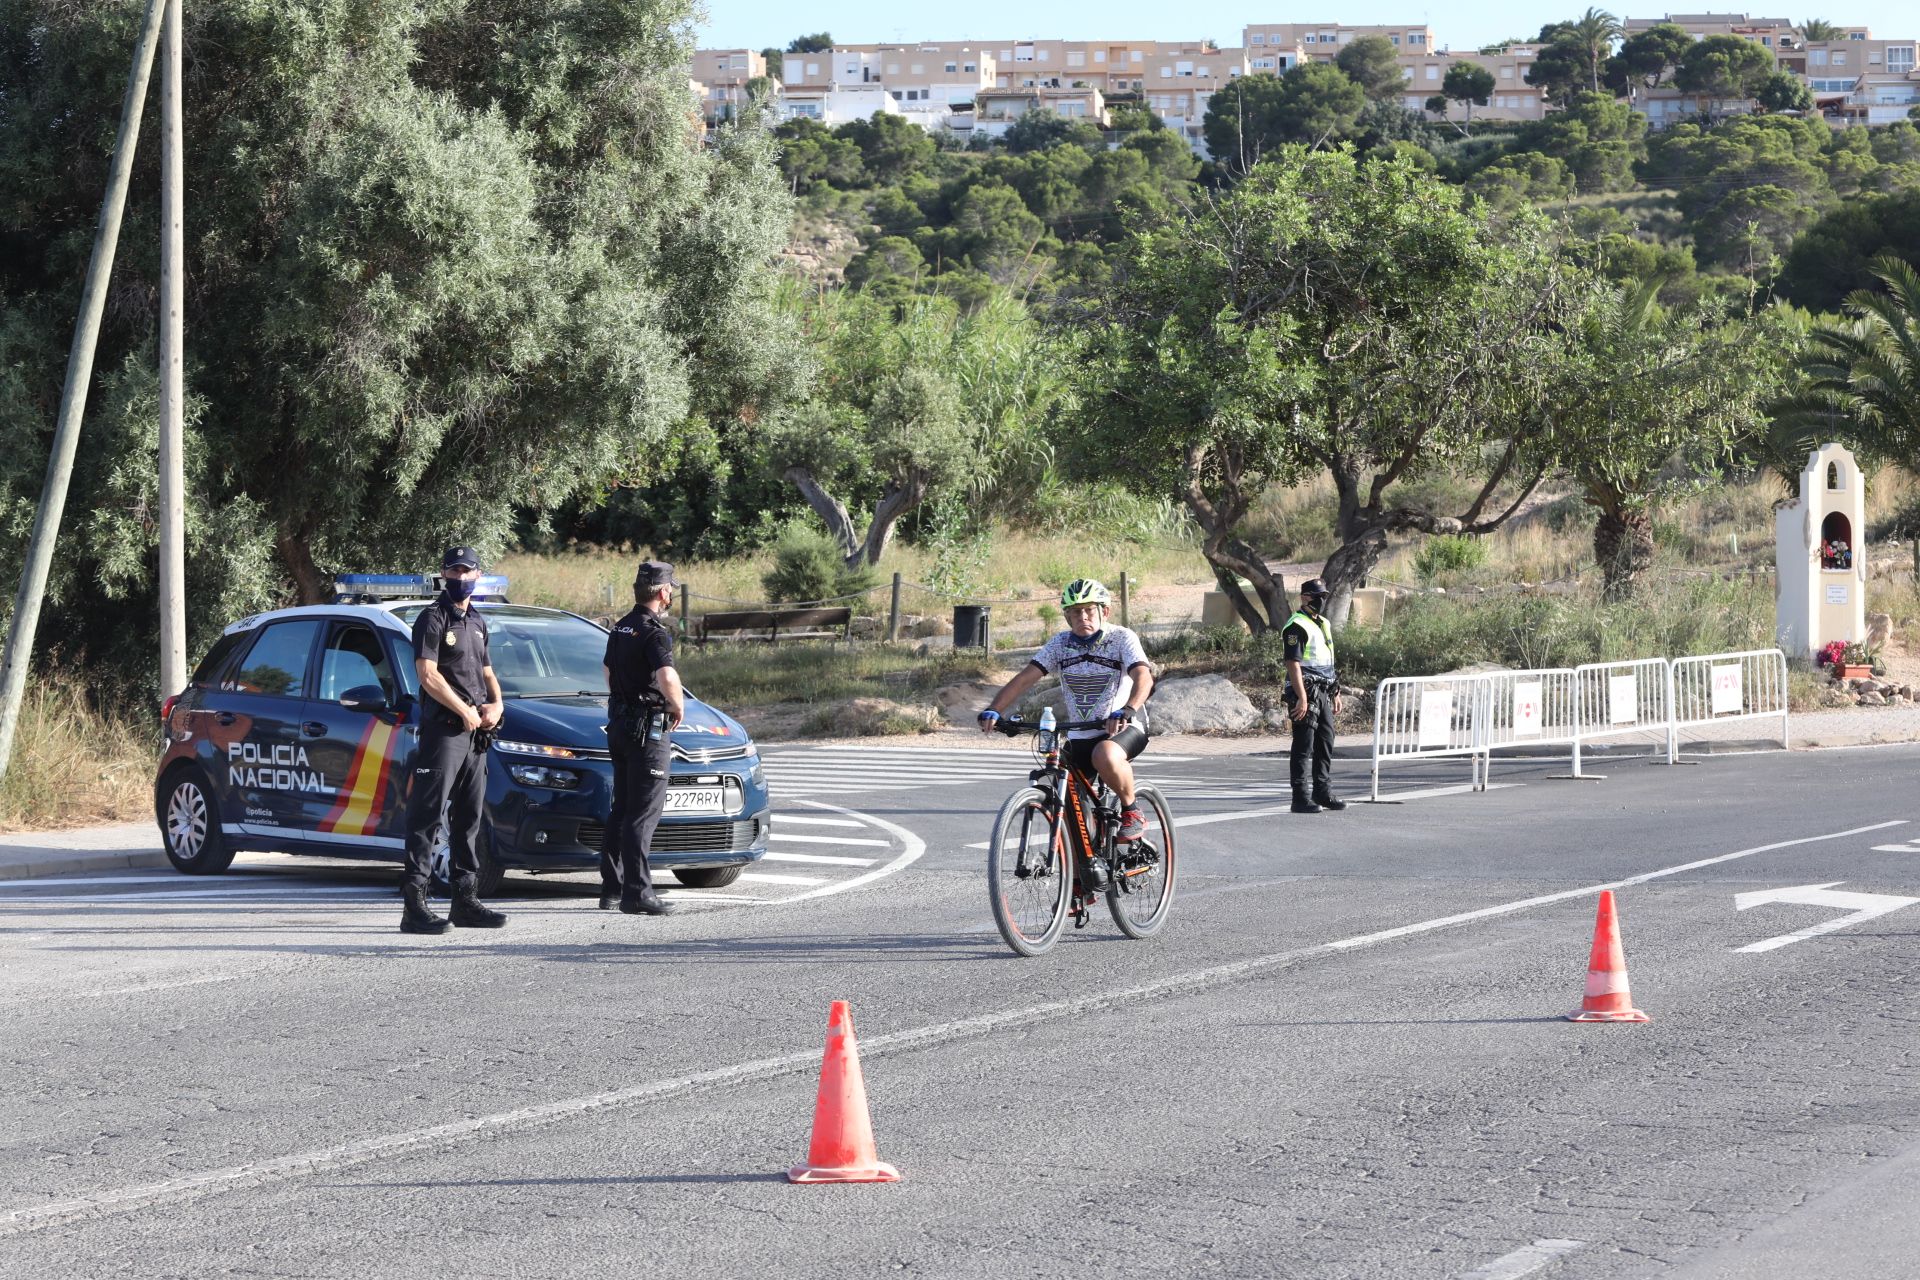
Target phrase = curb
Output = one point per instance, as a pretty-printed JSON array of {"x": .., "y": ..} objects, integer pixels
[{"x": 57, "y": 864}]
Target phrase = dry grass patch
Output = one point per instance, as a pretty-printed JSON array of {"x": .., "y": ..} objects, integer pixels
[{"x": 73, "y": 766}]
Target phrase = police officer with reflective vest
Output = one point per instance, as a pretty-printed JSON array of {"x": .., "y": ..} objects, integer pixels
[
  {"x": 460, "y": 706},
  {"x": 644, "y": 707},
  {"x": 1312, "y": 695}
]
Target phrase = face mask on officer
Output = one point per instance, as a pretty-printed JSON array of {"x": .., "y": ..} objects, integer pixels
[{"x": 461, "y": 588}]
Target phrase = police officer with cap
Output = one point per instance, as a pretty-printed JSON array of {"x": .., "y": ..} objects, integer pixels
[
  {"x": 644, "y": 707},
  {"x": 1312, "y": 695},
  {"x": 460, "y": 706}
]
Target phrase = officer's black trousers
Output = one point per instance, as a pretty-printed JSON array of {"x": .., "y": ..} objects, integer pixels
[
  {"x": 639, "y": 794},
  {"x": 1313, "y": 744},
  {"x": 448, "y": 776}
]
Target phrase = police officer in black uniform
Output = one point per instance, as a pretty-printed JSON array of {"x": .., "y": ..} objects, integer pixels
[
  {"x": 645, "y": 706},
  {"x": 460, "y": 707},
  {"x": 1312, "y": 695}
]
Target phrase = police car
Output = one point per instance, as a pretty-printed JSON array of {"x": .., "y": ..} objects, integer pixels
[{"x": 297, "y": 734}]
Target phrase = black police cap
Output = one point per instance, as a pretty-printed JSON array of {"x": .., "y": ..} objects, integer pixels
[
  {"x": 654, "y": 573},
  {"x": 460, "y": 558},
  {"x": 1314, "y": 587}
]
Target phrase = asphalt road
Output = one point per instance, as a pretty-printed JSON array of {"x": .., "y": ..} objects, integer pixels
[{"x": 1344, "y": 1056}]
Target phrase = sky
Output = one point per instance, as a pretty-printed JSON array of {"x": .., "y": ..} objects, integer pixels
[{"x": 757, "y": 24}]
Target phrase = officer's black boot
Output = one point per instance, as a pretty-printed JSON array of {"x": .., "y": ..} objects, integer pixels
[
  {"x": 644, "y": 903},
  {"x": 609, "y": 898},
  {"x": 469, "y": 912},
  {"x": 1327, "y": 800},
  {"x": 416, "y": 916},
  {"x": 1303, "y": 805}
]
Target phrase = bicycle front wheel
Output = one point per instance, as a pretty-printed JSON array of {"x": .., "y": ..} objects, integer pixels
[
  {"x": 1029, "y": 882},
  {"x": 1141, "y": 891}
]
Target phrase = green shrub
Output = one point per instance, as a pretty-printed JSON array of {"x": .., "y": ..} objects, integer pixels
[
  {"x": 1449, "y": 554},
  {"x": 807, "y": 565},
  {"x": 1048, "y": 613}
]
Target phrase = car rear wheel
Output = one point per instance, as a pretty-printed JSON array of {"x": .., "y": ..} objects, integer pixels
[
  {"x": 190, "y": 825},
  {"x": 708, "y": 877}
]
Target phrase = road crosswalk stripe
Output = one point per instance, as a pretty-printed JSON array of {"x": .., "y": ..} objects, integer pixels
[
  {"x": 764, "y": 877},
  {"x": 824, "y": 859},
  {"x": 788, "y": 818},
  {"x": 878, "y": 844},
  {"x": 917, "y": 753}
]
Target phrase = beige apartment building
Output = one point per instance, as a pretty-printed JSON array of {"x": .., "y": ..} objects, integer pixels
[
  {"x": 1512, "y": 97},
  {"x": 1855, "y": 79},
  {"x": 720, "y": 77},
  {"x": 1298, "y": 42},
  {"x": 996, "y": 110}
]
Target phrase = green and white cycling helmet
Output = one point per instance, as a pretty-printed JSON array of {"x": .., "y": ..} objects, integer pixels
[{"x": 1084, "y": 591}]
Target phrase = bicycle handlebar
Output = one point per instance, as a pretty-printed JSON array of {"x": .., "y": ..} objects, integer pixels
[{"x": 1013, "y": 726}]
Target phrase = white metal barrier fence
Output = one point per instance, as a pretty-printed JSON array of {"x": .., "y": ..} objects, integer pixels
[
  {"x": 1749, "y": 685},
  {"x": 1620, "y": 698},
  {"x": 1428, "y": 718},
  {"x": 1436, "y": 717}
]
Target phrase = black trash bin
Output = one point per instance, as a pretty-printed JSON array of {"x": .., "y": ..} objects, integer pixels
[{"x": 972, "y": 626}]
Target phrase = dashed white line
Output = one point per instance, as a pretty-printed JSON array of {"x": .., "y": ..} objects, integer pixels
[
  {"x": 1523, "y": 1261},
  {"x": 820, "y": 858},
  {"x": 878, "y": 844}
]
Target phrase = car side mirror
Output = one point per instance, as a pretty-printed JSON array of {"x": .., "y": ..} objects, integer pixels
[{"x": 365, "y": 697}]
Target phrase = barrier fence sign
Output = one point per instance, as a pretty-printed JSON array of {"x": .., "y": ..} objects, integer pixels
[
  {"x": 1623, "y": 699},
  {"x": 1526, "y": 709},
  {"x": 1726, "y": 689},
  {"x": 1436, "y": 717}
]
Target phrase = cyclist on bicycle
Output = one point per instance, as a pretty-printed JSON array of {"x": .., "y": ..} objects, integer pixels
[{"x": 1104, "y": 675}]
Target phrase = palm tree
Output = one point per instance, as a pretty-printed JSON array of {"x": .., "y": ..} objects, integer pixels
[
  {"x": 1595, "y": 31},
  {"x": 1862, "y": 375},
  {"x": 1820, "y": 29}
]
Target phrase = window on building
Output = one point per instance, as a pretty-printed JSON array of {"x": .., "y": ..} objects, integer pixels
[
  {"x": 1817, "y": 57},
  {"x": 1099, "y": 55},
  {"x": 971, "y": 68},
  {"x": 1166, "y": 73},
  {"x": 1839, "y": 57},
  {"x": 1395, "y": 40},
  {"x": 1418, "y": 37},
  {"x": 1076, "y": 59},
  {"x": 950, "y": 67},
  {"x": 1184, "y": 68},
  {"x": 1406, "y": 73},
  {"x": 1256, "y": 38},
  {"x": 1202, "y": 71},
  {"x": 1900, "y": 58},
  {"x": 1136, "y": 55},
  {"x": 1433, "y": 71},
  {"x": 813, "y": 69},
  {"x": 1506, "y": 73},
  {"x": 917, "y": 69},
  {"x": 1045, "y": 54}
]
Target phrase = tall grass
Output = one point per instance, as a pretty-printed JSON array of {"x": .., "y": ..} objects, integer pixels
[{"x": 72, "y": 765}]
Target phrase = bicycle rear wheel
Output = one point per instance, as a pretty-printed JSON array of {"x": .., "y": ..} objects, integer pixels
[
  {"x": 1029, "y": 883},
  {"x": 1141, "y": 892}
]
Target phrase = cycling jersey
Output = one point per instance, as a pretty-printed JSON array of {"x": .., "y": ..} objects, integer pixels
[{"x": 1093, "y": 672}]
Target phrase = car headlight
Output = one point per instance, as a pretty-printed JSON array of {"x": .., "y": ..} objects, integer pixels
[
  {"x": 535, "y": 749},
  {"x": 759, "y": 780},
  {"x": 540, "y": 775}
]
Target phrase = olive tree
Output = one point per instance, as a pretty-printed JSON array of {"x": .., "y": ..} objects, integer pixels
[{"x": 1322, "y": 316}]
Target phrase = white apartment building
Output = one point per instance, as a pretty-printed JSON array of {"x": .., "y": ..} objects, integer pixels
[
  {"x": 836, "y": 104},
  {"x": 996, "y": 110}
]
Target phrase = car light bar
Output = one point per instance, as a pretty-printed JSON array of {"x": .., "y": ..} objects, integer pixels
[{"x": 362, "y": 588}]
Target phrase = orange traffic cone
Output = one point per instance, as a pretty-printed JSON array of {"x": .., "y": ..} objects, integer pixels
[
  {"x": 1607, "y": 997},
  {"x": 842, "y": 1148}
]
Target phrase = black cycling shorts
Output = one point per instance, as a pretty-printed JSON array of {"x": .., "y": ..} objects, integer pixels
[{"x": 1132, "y": 740}]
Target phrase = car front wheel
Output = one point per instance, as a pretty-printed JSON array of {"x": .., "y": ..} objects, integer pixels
[
  {"x": 707, "y": 877},
  {"x": 190, "y": 825}
]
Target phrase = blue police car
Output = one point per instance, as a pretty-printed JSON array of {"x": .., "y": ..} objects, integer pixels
[{"x": 297, "y": 731}]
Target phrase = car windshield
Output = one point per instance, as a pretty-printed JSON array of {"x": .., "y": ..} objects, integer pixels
[{"x": 538, "y": 653}]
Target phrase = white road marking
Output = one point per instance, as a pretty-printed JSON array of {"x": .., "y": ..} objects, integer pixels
[
  {"x": 1524, "y": 1261},
  {"x": 912, "y": 849},
  {"x": 878, "y": 844},
  {"x": 1864, "y": 907},
  {"x": 1912, "y": 846},
  {"x": 122, "y": 1199},
  {"x": 304, "y": 891},
  {"x": 1434, "y": 793},
  {"x": 764, "y": 877},
  {"x": 918, "y": 753},
  {"x": 821, "y": 858},
  {"x": 174, "y": 877},
  {"x": 816, "y": 822}
]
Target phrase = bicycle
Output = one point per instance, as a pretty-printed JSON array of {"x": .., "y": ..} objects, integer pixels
[{"x": 1048, "y": 830}]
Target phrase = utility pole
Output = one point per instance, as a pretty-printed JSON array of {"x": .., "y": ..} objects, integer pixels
[
  {"x": 173, "y": 270},
  {"x": 73, "y": 397}
]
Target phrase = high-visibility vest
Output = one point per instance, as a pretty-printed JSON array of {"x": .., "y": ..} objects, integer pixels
[{"x": 1319, "y": 650}]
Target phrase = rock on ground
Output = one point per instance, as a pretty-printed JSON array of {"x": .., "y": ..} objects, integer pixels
[{"x": 1197, "y": 704}]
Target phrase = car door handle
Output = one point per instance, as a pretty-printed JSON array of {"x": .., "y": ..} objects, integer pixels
[
  {"x": 225, "y": 717},
  {"x": 314, "y": 729}
]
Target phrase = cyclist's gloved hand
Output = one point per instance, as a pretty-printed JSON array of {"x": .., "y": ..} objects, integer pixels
[
  {"x": 989, "y": 720},
  {"x": 1121, "y": 716}
]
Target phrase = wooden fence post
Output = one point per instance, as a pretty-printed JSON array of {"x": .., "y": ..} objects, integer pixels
[
  {"x": 684, "y": 625},
  {"x": 893, "y": 612},
  {"x": 1123, "y": 597}
]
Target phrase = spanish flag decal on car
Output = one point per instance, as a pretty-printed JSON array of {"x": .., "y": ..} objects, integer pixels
[{"x": 358, "y": 811}]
